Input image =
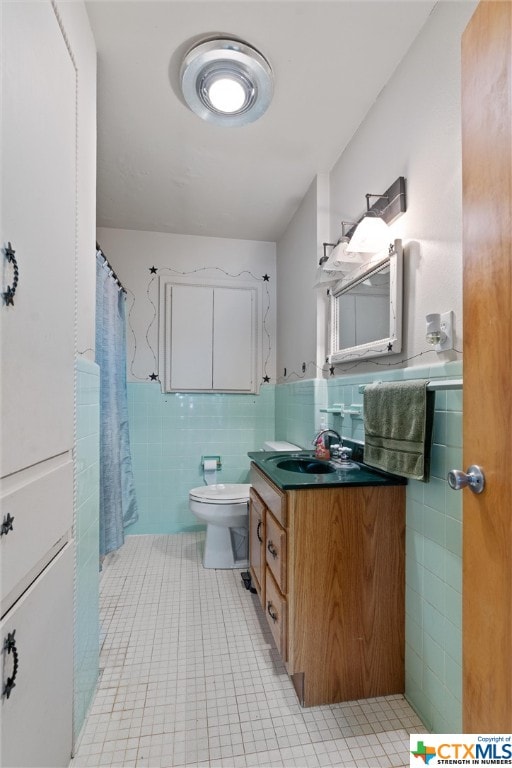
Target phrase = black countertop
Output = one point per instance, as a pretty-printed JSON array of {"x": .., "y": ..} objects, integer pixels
[{"x": 355, "y": 473}]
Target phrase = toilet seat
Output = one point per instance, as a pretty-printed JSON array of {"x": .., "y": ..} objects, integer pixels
[{"x": 229, "y": 493}]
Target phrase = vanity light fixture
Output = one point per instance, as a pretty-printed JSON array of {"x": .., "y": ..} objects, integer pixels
[
  {"x": 332, "y": 268},
  {"x": 226, "y": 81},
  {"x": 440, "y": 331},
  {"x": 371, "y": 234}
]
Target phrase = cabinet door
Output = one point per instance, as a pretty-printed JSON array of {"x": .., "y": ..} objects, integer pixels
[
  {"x": 191, "y": 337},
  {"x": 36, "y": 718},
  {"x": 38, "y": 160},
  {"x": 233, "y": 339},
  {"x": 257, "y": 543}
]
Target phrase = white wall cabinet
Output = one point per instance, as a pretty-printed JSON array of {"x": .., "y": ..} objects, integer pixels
[
  {"x": 208, "y": 337},
  {"x": 39, "y": 219}
]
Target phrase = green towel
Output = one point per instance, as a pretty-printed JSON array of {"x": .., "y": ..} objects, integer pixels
[{"x": 398, "y": 418}]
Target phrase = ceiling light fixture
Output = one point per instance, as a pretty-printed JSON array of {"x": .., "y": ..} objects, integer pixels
[{"x": 226, "y": 81}]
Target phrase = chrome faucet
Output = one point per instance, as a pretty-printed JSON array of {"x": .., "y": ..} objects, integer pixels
[
  {"x": 338, "y": 450},
  {"x": 326, "y": 432}
]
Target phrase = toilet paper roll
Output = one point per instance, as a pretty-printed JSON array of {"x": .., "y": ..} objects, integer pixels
[{"x": 210, "y": 471}]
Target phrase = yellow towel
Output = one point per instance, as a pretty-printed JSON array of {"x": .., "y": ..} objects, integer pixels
[{"x": 398, "y": 418}]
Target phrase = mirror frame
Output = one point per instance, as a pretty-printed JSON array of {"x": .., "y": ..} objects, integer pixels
[{"x": 390, "y": 344}]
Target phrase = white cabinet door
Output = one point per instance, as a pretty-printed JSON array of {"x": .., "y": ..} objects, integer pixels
[
  {"x": 38, "y": 143},
  {"x": 191, "y": 337},
  {"x": 233, "y": 339},
  {"x": 36, "y": 718}
]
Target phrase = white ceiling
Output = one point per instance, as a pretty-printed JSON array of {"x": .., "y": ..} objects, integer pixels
[{"x": 161, "y": 168}]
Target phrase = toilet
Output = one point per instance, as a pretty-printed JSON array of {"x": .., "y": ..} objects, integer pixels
[{"x": 224, "y": 508}]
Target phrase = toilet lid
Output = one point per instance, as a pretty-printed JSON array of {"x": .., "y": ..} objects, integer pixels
[{"x": 220, "y": 494}]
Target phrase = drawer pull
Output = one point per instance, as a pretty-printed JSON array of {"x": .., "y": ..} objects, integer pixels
[
  {"x": 8, "y": 295},
  {"x": 272, "y": 613},
  {"x": 271, "y": 548},
  {"x": 6, "y": 525},
  {"x": 258, "y": 529},
  {"x": 10, "y": 646}
]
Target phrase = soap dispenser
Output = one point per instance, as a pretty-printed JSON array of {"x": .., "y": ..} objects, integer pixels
[{"x": 321, "y": 443}]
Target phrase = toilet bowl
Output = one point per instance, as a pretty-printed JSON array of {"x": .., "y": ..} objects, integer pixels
[{"x": 225, "y": 511}]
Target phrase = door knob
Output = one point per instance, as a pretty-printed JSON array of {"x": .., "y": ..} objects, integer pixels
[{"x": 474, "y": 479}]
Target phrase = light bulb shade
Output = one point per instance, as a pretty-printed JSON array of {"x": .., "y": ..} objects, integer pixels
[
  {"x": 324, "y": 278},
  {"x": 371, "y": 235},
  {"x": 227, "y": 82}
]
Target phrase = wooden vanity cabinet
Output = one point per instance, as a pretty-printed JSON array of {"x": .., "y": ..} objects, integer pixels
[{"x": 334, "y": 586}]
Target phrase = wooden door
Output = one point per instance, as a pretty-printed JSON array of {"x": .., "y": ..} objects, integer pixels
[{"x": 487, "y": 285}]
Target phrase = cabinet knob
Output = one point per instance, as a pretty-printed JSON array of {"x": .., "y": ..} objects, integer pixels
[
  {"x": 272, "y": 611},
  {"x": 258, "y": 529}
]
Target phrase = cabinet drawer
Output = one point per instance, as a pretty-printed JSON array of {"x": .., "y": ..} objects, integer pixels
[
  {"x": 39, "y": 501},
  {"x": 276, "y": 610},
  {"x": 271, "y": 495},
  {"x": 275, "y": 551}
]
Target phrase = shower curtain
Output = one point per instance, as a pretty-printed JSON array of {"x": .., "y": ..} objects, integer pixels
[{"x": 118, "y": 504}]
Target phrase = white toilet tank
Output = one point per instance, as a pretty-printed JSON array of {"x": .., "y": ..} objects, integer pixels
[{"x": 280, "y": 445}]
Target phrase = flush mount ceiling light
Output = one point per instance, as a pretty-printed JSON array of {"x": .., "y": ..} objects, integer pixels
[{"x": 226, "y": 81}]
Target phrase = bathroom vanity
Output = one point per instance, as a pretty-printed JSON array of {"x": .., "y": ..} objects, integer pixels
[{"x": 327, "y": 554}]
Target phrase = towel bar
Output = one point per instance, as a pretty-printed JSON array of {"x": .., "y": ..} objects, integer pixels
[{"x": 433, "y": 386}]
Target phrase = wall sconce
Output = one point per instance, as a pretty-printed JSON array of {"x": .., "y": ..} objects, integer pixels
[
  {"x": 440, "y": 331},
  {"x": 371, "y": 234}
]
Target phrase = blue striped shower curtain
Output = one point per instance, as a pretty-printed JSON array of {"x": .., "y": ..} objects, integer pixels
[{"x": 118, "y": 504}]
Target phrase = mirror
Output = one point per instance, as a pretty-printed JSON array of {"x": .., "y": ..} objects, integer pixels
[{"x": 366, "y": 309}]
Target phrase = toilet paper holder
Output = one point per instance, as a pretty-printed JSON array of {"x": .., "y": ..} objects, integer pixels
[{"x": 211, "y": 458}]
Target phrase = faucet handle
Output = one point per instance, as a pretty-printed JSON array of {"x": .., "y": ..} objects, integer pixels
[
  {"x": 336, "y": 450},
  {"x": 345, "y": 453}
]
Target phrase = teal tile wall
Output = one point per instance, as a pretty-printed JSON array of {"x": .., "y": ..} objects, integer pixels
[
  {"x": 433, "y": 538},
  {"x": 170, "y": 432},
  {"x": 298, "y": 407},
  {"x": 86, "y": 642}
]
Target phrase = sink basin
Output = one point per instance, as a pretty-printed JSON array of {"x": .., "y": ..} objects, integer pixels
[{"x": 308, "y": 466}]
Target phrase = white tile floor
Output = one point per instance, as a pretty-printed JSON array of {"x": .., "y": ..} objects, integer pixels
[{"x": 190, "y": 677}]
